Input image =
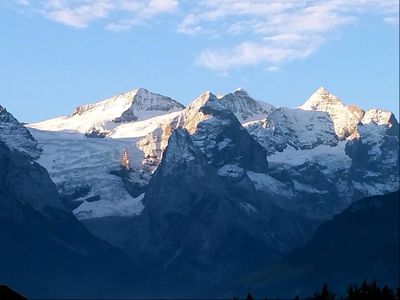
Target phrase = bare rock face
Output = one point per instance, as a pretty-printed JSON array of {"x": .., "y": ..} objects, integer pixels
[
  {"x": 153, "y": 146},
  {"x": 224, "y": 140},
  {"x": 195, "y": 218},
  {"x": 345, "y": 118},
  {"x": 29, "y": 182},
  {"x": 96, "y": 132},
  {"x": 192, "y": 115},
  {"x": 214, "y": 129},
  {"x": 379, "y": 117},
  {"x": 375, "y": 153},
  {"x": 244, "y": 107},
  {"x": 16, "y": 136},
  {"x": 356, "y": 110}
]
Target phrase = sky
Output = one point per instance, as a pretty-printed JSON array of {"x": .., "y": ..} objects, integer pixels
[{"x": 58, "y": 54}]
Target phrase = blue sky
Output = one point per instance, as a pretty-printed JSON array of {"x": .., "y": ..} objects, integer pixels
[{"x": 58, "y": 54}]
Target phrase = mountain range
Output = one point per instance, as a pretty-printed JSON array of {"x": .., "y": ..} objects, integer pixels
[{"x": 205, "y": 195}]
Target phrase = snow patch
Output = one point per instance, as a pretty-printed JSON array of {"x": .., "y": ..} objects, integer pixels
[{"x": 73, "y": 159}]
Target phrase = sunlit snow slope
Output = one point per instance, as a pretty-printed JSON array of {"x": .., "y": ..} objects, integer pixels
[{"x": 80, "y": 150}]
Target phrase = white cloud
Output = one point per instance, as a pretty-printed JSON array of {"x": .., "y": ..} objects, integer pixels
[
  {"x": 77, "y": 16},
  {"x": 119, "y": 14},
  {"x": 273, "y": 69},
  {"x": 250, "y": 53},
  {"x": 251, "y": 32},
  {"x": 143, "y": 11},
  {"x": 394, "y": 20},
  {"x": 23, "y": 2},
  {"x": 276, "y": 31}
]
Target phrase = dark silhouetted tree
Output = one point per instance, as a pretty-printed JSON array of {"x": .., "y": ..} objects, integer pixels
[
  {"x": 325, "y": 294},
  {"x": 369, "y": 292},
  {"x": 387, "y": 294},
  {"x": 249, "y": 297}
]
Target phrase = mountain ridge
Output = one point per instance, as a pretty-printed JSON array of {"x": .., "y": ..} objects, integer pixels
[
  {"x": 360, "y": 243},
  {"x": 284, "y": 133}
]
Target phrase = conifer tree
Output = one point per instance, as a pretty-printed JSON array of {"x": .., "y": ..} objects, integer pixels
[
  {"x": 249, "y": 297},
  {"x": 387, "y": 293},
  {"x": 325, "y": 294}
]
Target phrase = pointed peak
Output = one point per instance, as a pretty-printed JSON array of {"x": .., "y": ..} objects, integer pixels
[
  {"x": 208, "y": 94},
  {"x": 14, "y": 134},
  {"x": 238, "y": 92},
  {"x": 241, "y": 91},
  {"x": 142, "y": 91},
  {"x": 243, "y": 106},
  {"x": 321, "y": 98},
  {"x": 321, "y": 93},
  {"x": 139, "y": 99},
  {"x": 3, "y": 110},
  {"x": 201, "y": 100},
  {"x": 321, "y": 90}
]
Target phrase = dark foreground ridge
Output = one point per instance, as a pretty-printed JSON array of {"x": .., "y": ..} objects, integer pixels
[{"x": 6, "y": 293}]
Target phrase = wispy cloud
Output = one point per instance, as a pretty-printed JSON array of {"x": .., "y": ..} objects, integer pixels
[
  {"x": 394, "y": 20},
  {"x": 275, "y": 31},
  {"x": 118, "y": 14},
  {"x": 251, "y": 32}
]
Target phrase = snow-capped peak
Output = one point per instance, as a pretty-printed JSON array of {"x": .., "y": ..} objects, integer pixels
[
  {"x": 115, "y": 103},
  {"x": 126, "y": 107},
  {"x": 244, "y": 106},
  {"x": 345, "y": 117},
  {"x": 193, "y": 113},
  {"x": 320, "y": 99},
  {"x": 241, "y": 91},
  {"x": 202, "y": 100},
  {"x": 101, "y": 118},
  {"x": 212, "y": 133}
]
